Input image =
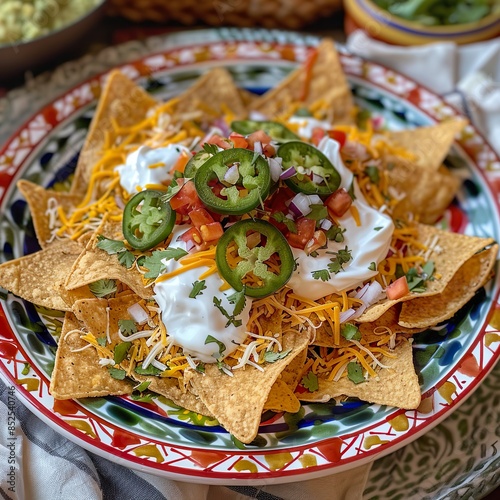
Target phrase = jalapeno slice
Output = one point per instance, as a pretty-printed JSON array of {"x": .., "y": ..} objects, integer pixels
[
  {"x": 276, "y": 130},
  {"x": 147, "y": 219},
  {"x": 315, "y": 172},
  {"x": 195, "y": 162},
  {"x": 256, "y": 243},
  {"x": 244, "y": 176}
]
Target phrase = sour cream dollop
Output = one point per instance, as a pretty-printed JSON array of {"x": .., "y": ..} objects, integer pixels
[
  {"x": 189, "y": 321},
  {"x": 368, "y": 242},
  {"x": 307, "y": 124},
  {"x": 136, "y": 174}
]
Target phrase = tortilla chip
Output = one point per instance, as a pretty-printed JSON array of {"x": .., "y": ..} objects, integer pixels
[
  {"x": 395, "y": 386},
  {"x": 426, "y": 187},
  {"x": 237, "y": 402},
  {"x": 450, "y": 253},
  {"x": 212, "y": 95},
  {"x": 292, "y": 373},
  {"x": 430, "y": 145},
  {"x": 121, "y": 100},
  {"x": 78, "y": 374},
  {"x": 428, "y": 311},
  {"x": 326, "y": 83},
  {"x": 281, "y": 398},
  {"x": 94, "y": 264},
  {"x": 38, "y": 201},
  {"x": 39, "y": 277}
]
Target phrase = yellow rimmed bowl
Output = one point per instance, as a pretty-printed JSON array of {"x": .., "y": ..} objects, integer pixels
[{"x": 382, "y": 25}]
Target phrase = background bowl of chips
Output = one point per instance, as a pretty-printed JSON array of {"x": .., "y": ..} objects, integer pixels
[
  {"x": 27, "y": 43},
  {"x": 382, "y": 25}
]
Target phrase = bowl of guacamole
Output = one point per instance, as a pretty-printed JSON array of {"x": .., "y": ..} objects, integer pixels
[{"x": 35, "y": 32}]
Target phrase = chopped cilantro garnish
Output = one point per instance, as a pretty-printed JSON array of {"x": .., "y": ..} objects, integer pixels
[
  {"x": 142, "y": 386},
  {"x": 310, "y": 382},
  {"x": 322, "y": 275},
  {"x": 318, "y": 212},
  {"x": 289, "y": 223},
  {"x": 335, "y": 233},
  {"x": 102, "y": 341},
  {"x": 373, "y": 173},
  {"x": 127, "y": 326},
  {"x": 272, "y": 357},
  {"x": 222, "y": 347},
  {"x": 210, "y": 148},
  {"x": 146, "y": 397},
  {"x": 378, "y": 228},
  {"x": 239, "y": 301},
  {"x": 417, "y": 279},
  {"x": 155, "y": 264},
  {"x": 117, "y": 373},
  {"x": 116, "y": 247},
  {"x": 120, "y": 352},
  {"x": 372, "y": 266},
  {"x": 350, "y": 331},
  {"x": 230, "y": 318},
  {"x": 126, "y": 259},
  {"x": 200, "y": 367},
  {"x": 173, "y": 189},
  {"x": 102, "y": 288},
  {"x": 335, "y": 266},
  {"x": 198, "y": 287},
  {"x": 150, "y": 370},
  {"x": 355, "y": 372}
]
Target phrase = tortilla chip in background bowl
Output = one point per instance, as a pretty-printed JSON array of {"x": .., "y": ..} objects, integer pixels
[{"x": 325, "y": 426}]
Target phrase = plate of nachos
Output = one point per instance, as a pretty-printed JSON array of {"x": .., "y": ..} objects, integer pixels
[{"x": 237, "y": 260}]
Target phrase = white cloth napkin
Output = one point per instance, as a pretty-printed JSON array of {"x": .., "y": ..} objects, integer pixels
[{"x": 467, "y": 76}]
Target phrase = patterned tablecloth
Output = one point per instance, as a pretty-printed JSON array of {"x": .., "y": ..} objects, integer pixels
[{"x": 456, "y": 459}]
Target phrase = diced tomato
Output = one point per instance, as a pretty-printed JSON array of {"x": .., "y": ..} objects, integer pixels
[
  {"x": 317, "y": 134},
  {"x": 338, "y": 203},
  {"x": 238, "y": 140},
  {"x": 181, "y": 163},
  {"x": 317, "y": 241},
  {"x": 186, "y": 199},
  {"x": 218, "y": 141},
  {"x": 211, "y": 231},
  {"x": 258, "y": 136},
  {"x": 192, "y": 237},
  {"x": 200, "y": 217},
  {"x": 280, "y": 200},
  {"x": 338, "y": 136},
  {"x": 397, "y": 289},
  {"x": 268, "y": 150},
  {"x": 305, "y": 231}
]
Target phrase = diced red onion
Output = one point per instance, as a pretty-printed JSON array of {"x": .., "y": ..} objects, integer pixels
[
  {"x": 257, "y": 147},
  {"x": 139, "y": 315},
  {"x": 299, "y": 205},
  {"x": 373, "y": 294},
  {"x": 222, "y": 125},
  {"x": 361, "y": 292},
  {"x": 347, "y": 315},
  {"x": 289, "y": 172},
  {"x": 317, "y": 179},
  {"x": 314, "y": 199},
  {"x": 275, "y": 168},
  {"x": 232, "y": 174},
  {"x": 326, "y": 224}
]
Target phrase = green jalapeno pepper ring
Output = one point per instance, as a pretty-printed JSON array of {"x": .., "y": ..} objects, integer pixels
[
  {"x": 147, "y": 219},
  {"x": 277, "y": 131},
  {"x": 254, "y": 258},
  {"x": 302, "y": 154},
  {"x": 254, "y": 175}
]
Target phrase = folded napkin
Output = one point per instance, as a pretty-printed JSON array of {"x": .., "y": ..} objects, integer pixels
[{"x": 467, "y": 76}]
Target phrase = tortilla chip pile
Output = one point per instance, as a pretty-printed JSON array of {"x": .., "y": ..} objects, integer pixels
[{"x": 63, "y": 274}]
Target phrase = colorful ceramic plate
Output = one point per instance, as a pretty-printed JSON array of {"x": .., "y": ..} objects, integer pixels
[{"x": 156, "y": 436}]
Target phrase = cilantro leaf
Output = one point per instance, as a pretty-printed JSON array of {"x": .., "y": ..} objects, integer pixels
[
  {"x": 110, "y": 246},
  {"x": 350, "y": 331},
  {"x": 173, "y": 189},
  {"x": 127, "y": 326},
  {"x": 210, "y": 148},
  {"x": 117, "y": 373},
  {"x": 231, "y": 319},
  {"x": 142, "y": 386},
  {"x": 355, "y": 372},
  {"x": 210, "y": 340},
  {"x": 318, "y": 212},
  {"x": 143, "y": 397},
  {"x": 239, "y": 301},
  {"x": 200, "y": 367},
  {"x": 102, "y": 288},
  {"x": 378, "y": 228},
  {"x": 198, "y": 287},
  {"x": 154, "y": 262},
  {"x": 310, "y": 382},
  {"x": 126, "y": 259},
  {"x": 272, "y": 357},
  {"x": 102, "y": 341},
  {"x": 289, "y": 223},
  {"x": 373, "y": 174},
  {"x": 322, "y": 275},
  {"x": 150, "y": 370},
  {"x": 372, "y": 266},
  {"x": 120, "y": 352},
  {"x": 341, "y": 257},
  {"x": 336, "y": 233}
]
